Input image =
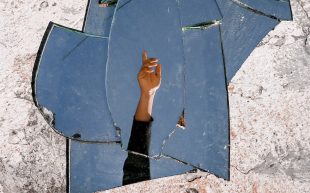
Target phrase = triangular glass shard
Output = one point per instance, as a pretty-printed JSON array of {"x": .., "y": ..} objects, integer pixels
[
  {"x": 98, "y": 19},
  {"x": 241, "y": 30},
  {"x": 205, "y": 140},
  {"x": 101, "y": 166},
  {"x": 70, "y": 85},
  {"x": 280, "y": 9},
  {"x": 153, "y": 26}
]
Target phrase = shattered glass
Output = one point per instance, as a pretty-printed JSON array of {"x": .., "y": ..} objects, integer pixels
[
  {"x": 85, "y": 85},
  {"x": 68, "y": 81}
]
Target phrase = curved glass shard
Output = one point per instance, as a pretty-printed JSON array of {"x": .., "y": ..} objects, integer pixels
[
  {"x": 241, "y": 30},
  {"x": 280, "y": 9},
  {"x": 98, "y": 167},
  {"x": 205, "y": 140},
  {"x": 98, "y": 19},
  {"x": 70, "y": 83},
  {"x": 155, "y": 27}
]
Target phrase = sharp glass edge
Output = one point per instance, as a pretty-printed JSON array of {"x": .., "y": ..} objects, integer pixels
[
  {"x": 245, "y": 6},
  {"x": 203, "y": 26}
]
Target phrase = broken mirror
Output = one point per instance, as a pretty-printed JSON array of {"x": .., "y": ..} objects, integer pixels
[
  {"x": 69, "y": 85},
  {"x": 85, "y": 85}
]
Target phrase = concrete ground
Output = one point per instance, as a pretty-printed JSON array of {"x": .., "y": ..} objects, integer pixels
[{"x": 269, "y": 108}]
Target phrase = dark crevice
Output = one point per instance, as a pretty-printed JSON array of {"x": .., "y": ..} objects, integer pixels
[
  {"x": 245, "y": 6},
  {"x": 86, "y": 13},
  {"x": 178, "y": 160},
  {"x": 291, "y": 11},
  {"x": 202, "y": 26},
  {"x": 227, "y": 98},
  {"x": 107, "y": 3},
  {"x": 68, "y": 165},
  {"x": 191, "y": 190},
  {"x": 76, "y": 136}
]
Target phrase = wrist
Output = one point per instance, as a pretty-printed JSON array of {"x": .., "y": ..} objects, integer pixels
[{"x": 147, "y": 94}]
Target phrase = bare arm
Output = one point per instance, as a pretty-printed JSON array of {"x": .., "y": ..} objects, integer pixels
[{"x": 149, "y": 82}]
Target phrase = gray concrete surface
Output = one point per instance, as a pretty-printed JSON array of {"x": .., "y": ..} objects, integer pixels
[{"x": 269, "y": 107}]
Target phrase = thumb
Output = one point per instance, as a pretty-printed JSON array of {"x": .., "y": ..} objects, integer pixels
[{"x": 144, "y": 56}]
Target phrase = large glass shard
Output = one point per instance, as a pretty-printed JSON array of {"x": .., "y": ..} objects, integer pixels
[
  {"x": 205, "y": 140},
  {"x": 70, "y": 84},
  {"x": 194, "y": 12},
  {"x": 241, "y": 31},
  {"x": 95, "y": 167},
  {"x": 155, "y": 27},
  {"x": 280, "y": 9},
  {"x": 98, "y": 19}
]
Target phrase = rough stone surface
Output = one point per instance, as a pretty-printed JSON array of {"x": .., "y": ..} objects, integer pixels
[{"x": 269, "y": 109}]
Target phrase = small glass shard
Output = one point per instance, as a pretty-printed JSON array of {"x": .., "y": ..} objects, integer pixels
[{"x": 70, "y": 83}]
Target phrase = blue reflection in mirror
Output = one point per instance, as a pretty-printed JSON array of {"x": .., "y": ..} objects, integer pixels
[
  {"x": 158, "y": 31},
  {"x": 70, "y": 85},
  {"x": 98, "y": 19},
  {"x": 201, "y": 45},
  {"x": 98, "y": 167},
  {"x": 204, "y": 142}
]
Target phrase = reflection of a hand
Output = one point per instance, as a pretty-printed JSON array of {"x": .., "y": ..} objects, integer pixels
[{"x": 149, "y": 81}]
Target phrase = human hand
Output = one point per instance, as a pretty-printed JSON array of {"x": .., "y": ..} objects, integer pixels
[{"x": 149, "y": 81}]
